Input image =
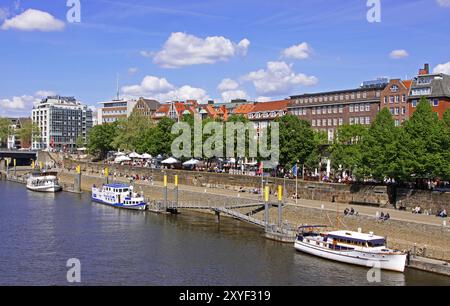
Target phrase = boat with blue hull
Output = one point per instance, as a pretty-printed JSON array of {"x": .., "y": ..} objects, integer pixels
[{"x": 119, "y": 195}]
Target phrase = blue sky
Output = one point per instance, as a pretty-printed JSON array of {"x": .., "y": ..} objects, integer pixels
[{"x": 185, "y": 49}]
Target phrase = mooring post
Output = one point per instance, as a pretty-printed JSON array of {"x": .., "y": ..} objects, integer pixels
[
  {"x": 165, "y": 191},
  {"x": 32, "y": 164},
  {"x": 266, "y": 207},
  {"x": 107, "y": 175},
  {"x": 77, "y": 183},
  {"x": 280, "y": 206},
  {"x": 176, "y": 191},
  {"x": 15, "y": 166},
  {"x": 217, "y": 216},
  {"x": 7, "y": 166}
]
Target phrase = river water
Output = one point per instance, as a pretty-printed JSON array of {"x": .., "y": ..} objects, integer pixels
[{"x": 39, "y": 233}]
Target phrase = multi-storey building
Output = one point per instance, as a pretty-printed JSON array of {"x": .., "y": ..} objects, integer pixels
[
  {"x": 146, "y": 107},
  {"x": 395, "y": 98},
  {"x": 14, "y": 141},
  {"x": 262, "y": 114},
  {"x": 327, "y": 111},
  {"x": 434, "y": 87},
  {"x": 176, "y": 110},
  {"x": 61, "y": 121},
  {"x": 115, "y": 110}
]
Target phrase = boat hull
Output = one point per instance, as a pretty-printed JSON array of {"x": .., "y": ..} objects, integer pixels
[
  {"x": 391, "y": 262},
  {"x": 48, "y": 189},
  {"x": 141, "y": 206}
]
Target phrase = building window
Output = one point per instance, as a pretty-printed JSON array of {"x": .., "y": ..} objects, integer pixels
[
  {"x": 397, "y": 122},
  {"x": 403, "y": 110},
  {"x": 356, "y": 108},
  {"x": 435, "y": 102},
  {"x": 341, "y": 121},
  {"x": 391, "y": 99},
  {"x": 351, "y": 108},
  {"x": 385, "y": 100},
  {"x": 330, "y": 122},
  {"x": 314, "y": 122},
  {"x": 397, "y": 111},
  {"x": 397, "y": 99},
  {"x": 368, "y": 120},
  {"x": 313, "y": 110},
  {"x": 404, "y": 98},
  {"x": 341, "y": 109},
  {"x": 414, "y": 103}
]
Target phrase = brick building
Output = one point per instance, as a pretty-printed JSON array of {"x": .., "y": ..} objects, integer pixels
[
  {"x": 146, "y": 107},
  {"x": 395, "y": 98},
  {"x": 326, "y": 111}
]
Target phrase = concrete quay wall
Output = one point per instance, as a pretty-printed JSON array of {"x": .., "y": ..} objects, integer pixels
[{"x": 342, "y": 193}]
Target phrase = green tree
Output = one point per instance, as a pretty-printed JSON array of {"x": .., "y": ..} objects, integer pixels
[
  {"x": 425, "y": 142},
  {"x": 382, "y": 152},
  {"x": 446, "y": 145},
  {"x": 129, "y": 132},
  {"x": 158, "y": 139},
  {"x": 4, "y": 130},
  {"x": 101, "y": 139},
  {"x": 320, "y": 143},
  {"x": 346, "y": 150},
  {"x": 28, "y": 132},
  {"x": 296, "y": 140}
]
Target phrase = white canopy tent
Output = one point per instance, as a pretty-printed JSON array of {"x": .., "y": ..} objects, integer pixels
[
  {"x": 122, "y": 159},
  {"x": 119, "y": 154},
  {"x": 146, "y": 156},
  {"x": 170, "y": 161},
  {"x": 134, "y": 155},
  {"x": 191, "y": 162}
]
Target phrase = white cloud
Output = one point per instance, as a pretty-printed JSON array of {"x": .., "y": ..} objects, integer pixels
[
  {"x": 397, "y": 54},
  {"x": 183, "y": 93},
  {"x": 149, "y": 85},
  {"x": 182, "y": 49},
  {"x": 263, "y": 99},
  {"x": 301, "y": 51},
  {"x": 132, "y": 70},
  {"x": 444, "y": 3},
  {"x": 44, "y": 93},
  {"x": 227, "y": 84},
  {"x": 227, "y": 96},
  {"x": 278, "y": 78},
  {"x": 33, "y": 20},
  {"x": 442, "y": 68},
  {"x": 146, "y": 53},
  {"x": 161, "y": 90}
]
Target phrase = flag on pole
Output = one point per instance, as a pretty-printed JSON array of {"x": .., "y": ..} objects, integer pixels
[
  {"x": 261, "y": 168},
  {"x": 295, "y": 170}
]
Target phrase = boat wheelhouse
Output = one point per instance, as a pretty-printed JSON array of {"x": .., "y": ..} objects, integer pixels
[
  {"x": 356, "y": 248},
  {"x": 43, "y": 182},
  {"x": 118, "y": 195}
]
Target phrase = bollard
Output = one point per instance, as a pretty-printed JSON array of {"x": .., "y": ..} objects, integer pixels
[
  {"x": 176, "y": 191},
  {"x": 165, "y": 191},
  {"x": 15, "y": 166},
  {"x": 280, "y": 205},
  {"x": 77, "y": 182},
  {"x": 266, "y": 207},
  {"x": 107, "y": 175}
]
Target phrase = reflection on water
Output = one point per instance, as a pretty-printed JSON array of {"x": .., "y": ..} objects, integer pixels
[{"x": 40, "y": 232}]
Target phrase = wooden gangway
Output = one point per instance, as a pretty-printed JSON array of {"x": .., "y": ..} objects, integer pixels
[{"x": 240, "y": 216}]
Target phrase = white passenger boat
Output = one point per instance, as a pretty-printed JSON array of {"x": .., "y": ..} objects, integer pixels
[
  {"x": 118, "y": 195},
  {"x": 350, "y": 247},
  {"x": 43, "y": 182}
]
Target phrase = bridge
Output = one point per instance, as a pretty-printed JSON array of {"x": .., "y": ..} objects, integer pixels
[{"x": 23, "y": 158}]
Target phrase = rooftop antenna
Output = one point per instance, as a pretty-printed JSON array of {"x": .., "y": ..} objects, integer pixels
[{"x": 118, "y": 98}]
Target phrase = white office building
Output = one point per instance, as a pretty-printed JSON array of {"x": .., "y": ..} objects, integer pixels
[{"x": 61, "y": 121}]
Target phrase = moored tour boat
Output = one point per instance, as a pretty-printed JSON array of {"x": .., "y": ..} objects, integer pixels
[
  {"x": 43, "y": 182},
  {"x": 350, "y": 247},
  {"x": 118, "y": 195}
]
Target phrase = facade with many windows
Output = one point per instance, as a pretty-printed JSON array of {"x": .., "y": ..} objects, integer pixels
[
  {"x": 434, "y": 87},
  {"x": 61, "y": 121},
  {"x": 115, "y": 110},
  {"x": 327, "y": 111},
  {"x": 395, "y": 98}
]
